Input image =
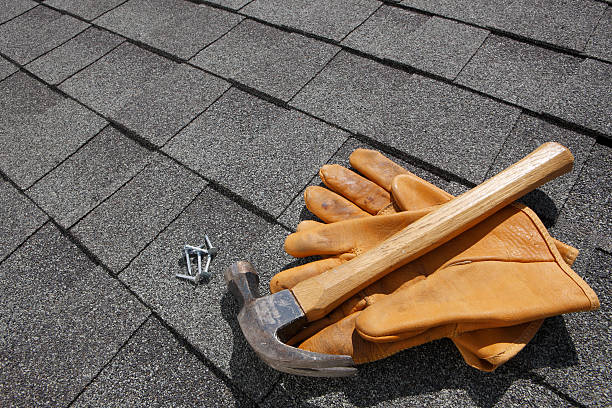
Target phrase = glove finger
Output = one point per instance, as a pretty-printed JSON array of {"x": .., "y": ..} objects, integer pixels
[
  {"x": 367, "y": 195},
  {"x": 308, "y": 224},
  {"x": 376, "y": 167},
  {"x": 290, "y": 277},
  {"x": 350, "y": 236},
  {"x": 411, "y": 193},
  {"x": 329, "y": 206}
]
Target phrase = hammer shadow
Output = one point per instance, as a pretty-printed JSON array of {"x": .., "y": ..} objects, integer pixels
[
  {"x": 248, "y": 372},
  {"x": 543, "y": 206}
]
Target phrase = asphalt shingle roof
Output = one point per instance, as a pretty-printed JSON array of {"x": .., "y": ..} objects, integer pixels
[{"x": 130, "y": 128}]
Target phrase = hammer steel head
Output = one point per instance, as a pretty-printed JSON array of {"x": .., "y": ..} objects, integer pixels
[{"x": 268, "y": 321}]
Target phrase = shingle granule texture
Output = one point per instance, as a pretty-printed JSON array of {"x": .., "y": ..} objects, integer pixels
[
  {"x": 529, "y": 133},
  {"x": 118, "y": 229},
  {"x": 178, "y": 27},
  {"x": 600, "y": 43},
  {"x": 154, "y": 369},
  {"x": 6, "y": 68},
  {"x": 205, "y": 315},
  {"x": 72, "y": 56},
  {"x": 586, "y": 97},
  {"x": 63, "y": 319},
  {"x": 267, "y": 59},
  {"x": 565, "y": 23},
  {"x": 19, "y": 218},
  {"x": 433, "y": 121},
  {"x": 34, "y": 33},
  {"x": 148, "y": 94},
  {"x": 232, "y": 4},
  {"x": 517, "y": 72},
  {"x": 89, "y": 176},
  {"x": 39, "y": 128},
  {"x": 87, "y": 9},
  {"x": 333, "y": 20},
  {"x": 476, "y": 11},
  {"x": 12, "y": 8},
  {"x": 254, "y": 153}
]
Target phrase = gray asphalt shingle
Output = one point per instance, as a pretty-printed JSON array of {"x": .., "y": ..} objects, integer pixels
[
  {"x": 565, "y": 23},
  {"x": 476, "y": 11},
  {"x": 34, "y": 33},
  {"x": 529, "y": 133},
  {"x": 39, "y": 128},
  {"x": 118, "y": 229},
  {"x": 154, "y": 369},
  {"x": 333, "y": 20},
  {"x": 74, "y": 55},
  {"x": 422, "y": 117},
  {"x": 7, "y": 68},
  {"x": 12, "y": 8},
  {"x": 386, "y": 33},
  {"x": 89, "y": 176},
  {"x": 87, "y": 9},
  {"x": 600, "y": 43},
  {"x": 516, "y": 72},
  {"x": 178, "y": 27},
  {"x": 232, "y": 4},
  {"x": 148, "y": 94},
  {"x": 434, "y": 44},
  {"x": 63, "y": 318},
  {"x": 586, "y": 97},
  {"x": 19, "y": 218},
  {"x": 257, "y": 145},
  {"x": 206, "y": 314},
  {"x": 266, "y": 59},
  {"x": 443, "y": 46}
]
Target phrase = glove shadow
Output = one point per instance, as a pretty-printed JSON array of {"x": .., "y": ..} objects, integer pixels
[{"x": 416, "y": 373}]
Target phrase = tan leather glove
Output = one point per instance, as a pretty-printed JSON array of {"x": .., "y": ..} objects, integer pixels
[{"x": 486, "y": 289}]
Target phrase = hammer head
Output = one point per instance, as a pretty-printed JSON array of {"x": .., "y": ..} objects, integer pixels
[{"x": 267, "y": 322}]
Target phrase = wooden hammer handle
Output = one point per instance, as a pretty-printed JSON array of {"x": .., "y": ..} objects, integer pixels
[{"x": 321, "y": 294}]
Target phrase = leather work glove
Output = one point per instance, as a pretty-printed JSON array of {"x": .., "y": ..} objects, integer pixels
[{"x": 487, "y": 289}]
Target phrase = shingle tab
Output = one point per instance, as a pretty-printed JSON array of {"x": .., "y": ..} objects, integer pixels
[
  {"x": 39, "y": 128},
  {"x": 148, "y": 94},
  {"x": 19, "y": 218},
  {"x": 265, "y": 58},
  {"x": 232, "y": 4},
  {"x": 154, "y": 369},
  {"x": 257, "y": 145},
  {"x": 566, "y": 23},
  {"x": 87, "y": 9},
  {"x": 422, "y": 117},
  {"x": 206, "y": 314},
  {"x": 12, "y": 8},
  {"x": 476, "y": 11},
  {"x": 329, "y": 19},
  {"x": 6, "y": 68},
  {"x": 34, "y": 33},
  {"x": 178, "y": 27},
  {"x": 386, "y": 33},
  {"x": 118, "y": 229},
  {"x": 63, "y": 319},
  {"x": 442, "y": 46},
  {"x": 529, "y": 133},
  {"x": 65, "y": 60},
  {"x": 584, "y": 215},
  {"x": 600, "y": 43},
  {"x": 516, "y": 72},
  {"x": 586, "y": 97},
  {"x": 89, "y": 176}
]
